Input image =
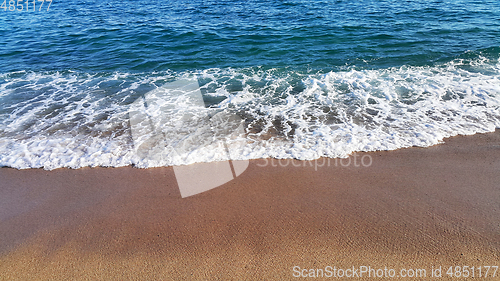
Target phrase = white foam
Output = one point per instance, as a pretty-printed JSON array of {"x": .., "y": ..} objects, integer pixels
[{"x": 54, "y": 120}]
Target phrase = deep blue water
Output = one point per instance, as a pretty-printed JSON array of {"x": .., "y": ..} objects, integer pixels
[
  {"x": 305, "y": 79},
  {"x": 146, "y": 36}
]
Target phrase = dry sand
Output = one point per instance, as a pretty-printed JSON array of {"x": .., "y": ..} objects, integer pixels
[{"x": 412, "y": 208}]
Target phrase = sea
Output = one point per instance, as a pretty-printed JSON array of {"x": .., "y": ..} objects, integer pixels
[{"x": 152, "y": 83}]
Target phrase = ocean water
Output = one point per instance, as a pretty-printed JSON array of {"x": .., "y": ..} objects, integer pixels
[{"x": 162, "y": 83}]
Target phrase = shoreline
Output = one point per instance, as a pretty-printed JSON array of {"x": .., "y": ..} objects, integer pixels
[{"x": 410, "y": 208}]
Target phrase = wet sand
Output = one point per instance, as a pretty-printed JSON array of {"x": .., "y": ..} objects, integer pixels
[{"x": 411, "y": 208}]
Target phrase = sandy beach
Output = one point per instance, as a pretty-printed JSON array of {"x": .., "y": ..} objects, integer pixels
[{"x": 413, "y": 208}]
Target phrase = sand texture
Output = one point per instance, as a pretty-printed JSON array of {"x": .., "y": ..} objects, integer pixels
[{"x": 411, "y": 208}]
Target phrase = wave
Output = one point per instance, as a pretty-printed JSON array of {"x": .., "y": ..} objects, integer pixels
[{"x": 73, "y": 119}]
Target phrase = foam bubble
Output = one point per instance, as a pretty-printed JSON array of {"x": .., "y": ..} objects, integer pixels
[{"x": 72, "y": 119}]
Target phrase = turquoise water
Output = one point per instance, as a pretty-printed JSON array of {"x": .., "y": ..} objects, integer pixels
[
  {"x": 307, "y": 78},
  {"x": 147, "y": 36}
]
